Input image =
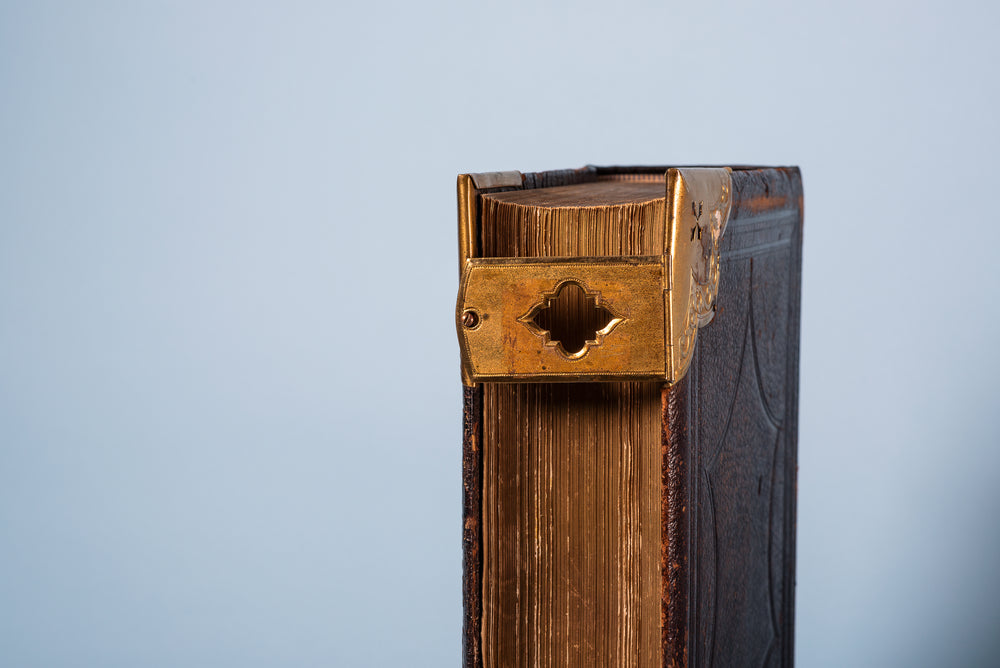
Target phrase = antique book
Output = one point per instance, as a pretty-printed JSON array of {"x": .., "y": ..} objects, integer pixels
[{"x": 629, "y": 342}]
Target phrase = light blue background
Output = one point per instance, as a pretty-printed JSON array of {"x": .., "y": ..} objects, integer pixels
[{"x": 229, "y": 392}]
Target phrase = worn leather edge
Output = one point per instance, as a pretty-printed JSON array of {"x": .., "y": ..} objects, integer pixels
[
  {"x": 763, "y": 190},
  {"x": 559, "y": 177},
  {"x": 792, "y": 411},
  {"x": 472, "y": 539},
  {"x": 548, "y": 179},
  {"x": 673, "y": 532}
]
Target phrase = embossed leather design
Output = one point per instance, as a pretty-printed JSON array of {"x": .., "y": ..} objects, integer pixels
[{"x": 730, "y": 430}]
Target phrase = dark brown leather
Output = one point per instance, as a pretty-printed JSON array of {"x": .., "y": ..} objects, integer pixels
[
  {"x": 729, "y": 445},
  {"x": 674, "y": 564},
  {"x": 730, "y": 430},
  {"x": 472, "y": 541}
]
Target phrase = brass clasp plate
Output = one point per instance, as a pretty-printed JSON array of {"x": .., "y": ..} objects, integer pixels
[
  {"x": 647, "y": 309},
  {"x": 500, "y": 300}
]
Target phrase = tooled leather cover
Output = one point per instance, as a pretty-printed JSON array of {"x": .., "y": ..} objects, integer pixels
[{"x": 729, "y": 446}]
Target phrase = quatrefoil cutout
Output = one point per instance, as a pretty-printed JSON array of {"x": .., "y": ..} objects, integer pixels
[{"x": 571, "y": 319}]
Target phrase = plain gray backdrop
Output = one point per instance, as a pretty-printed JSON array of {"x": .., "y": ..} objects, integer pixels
[{"x": 229, "y": 392}]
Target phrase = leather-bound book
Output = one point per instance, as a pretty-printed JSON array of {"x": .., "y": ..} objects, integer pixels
[{"x": 629, "y": 341}]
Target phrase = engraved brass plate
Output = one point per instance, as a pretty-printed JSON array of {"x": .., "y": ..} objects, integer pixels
[
  {"x": 654, "y": 305},
  {"x": 698, "y": 205}
]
